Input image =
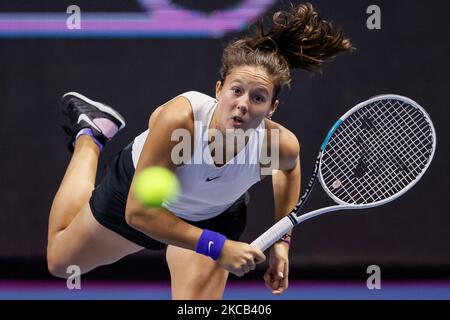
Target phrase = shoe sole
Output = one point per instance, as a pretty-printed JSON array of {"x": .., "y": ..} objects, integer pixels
[{"x": 96, "y": 104}]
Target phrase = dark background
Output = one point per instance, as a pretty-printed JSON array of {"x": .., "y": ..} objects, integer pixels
[{"x": 409, "y": 56}]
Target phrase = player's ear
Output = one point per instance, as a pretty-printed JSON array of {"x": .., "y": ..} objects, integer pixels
[
  {"x": 273, "y": 107},
  {"x": 218, "y": 89}
]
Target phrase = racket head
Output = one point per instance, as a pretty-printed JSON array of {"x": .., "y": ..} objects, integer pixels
[{"x": 377, "y": 151}]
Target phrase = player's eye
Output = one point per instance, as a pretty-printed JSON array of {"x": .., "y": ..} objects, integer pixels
[
  {"x": 236, "y": 90},
  {"x": 259, "y": 99}
]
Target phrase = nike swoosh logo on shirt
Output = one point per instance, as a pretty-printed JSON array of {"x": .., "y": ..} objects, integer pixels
[
  {"x": 209, "y": 246},
  {"x": 89, "y": 121},
  {"x": 211, "y": 179}
]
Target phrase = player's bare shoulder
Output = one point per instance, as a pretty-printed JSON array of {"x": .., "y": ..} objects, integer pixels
[
  {"x": 173, "y": 124},
  {"x": 286, "y": 142},
  {"x": 176, "y": 112}
]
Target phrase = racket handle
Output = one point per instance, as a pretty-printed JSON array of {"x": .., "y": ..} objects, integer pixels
[{"x": 274, "y": 234}]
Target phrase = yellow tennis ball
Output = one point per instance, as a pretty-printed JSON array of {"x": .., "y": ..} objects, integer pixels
[{"x": 154, "y": 185}]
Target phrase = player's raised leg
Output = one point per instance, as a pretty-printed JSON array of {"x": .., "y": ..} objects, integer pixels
[
  {"x": 74, "y": 236},
  {"x": 92, "y": 124}
]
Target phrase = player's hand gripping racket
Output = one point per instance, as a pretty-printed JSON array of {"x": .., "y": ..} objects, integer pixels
[{"x": 373, "y": 154}]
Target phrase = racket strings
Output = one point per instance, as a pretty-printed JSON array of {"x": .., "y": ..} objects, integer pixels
[
  {"x": 376, "y": 152},
  {"x": 400, "y": 140},
  {"x": 381, "y": 154}
]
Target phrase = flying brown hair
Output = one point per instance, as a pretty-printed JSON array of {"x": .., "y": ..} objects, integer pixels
[{"x": 298, "y": 39}]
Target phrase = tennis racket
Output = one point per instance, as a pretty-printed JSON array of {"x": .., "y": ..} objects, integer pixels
[{"x": 372, "y": 155}]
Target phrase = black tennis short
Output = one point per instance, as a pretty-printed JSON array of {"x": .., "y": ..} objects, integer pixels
[{"x": 109, "y": 200}]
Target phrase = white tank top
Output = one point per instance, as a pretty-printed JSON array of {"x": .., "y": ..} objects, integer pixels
[{"x": 205, "y": 189}]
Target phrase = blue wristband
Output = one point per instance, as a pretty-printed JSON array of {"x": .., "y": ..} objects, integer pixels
[{"x": 210, "y": 244}]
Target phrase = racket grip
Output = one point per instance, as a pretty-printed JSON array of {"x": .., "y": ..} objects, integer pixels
[{"x": 274, "y": 234}]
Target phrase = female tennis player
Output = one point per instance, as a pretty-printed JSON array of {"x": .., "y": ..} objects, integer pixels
[{"x": 92, "y": 226}]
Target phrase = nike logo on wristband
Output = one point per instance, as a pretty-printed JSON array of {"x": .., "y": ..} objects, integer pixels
[{"x": 209, "y": 247}]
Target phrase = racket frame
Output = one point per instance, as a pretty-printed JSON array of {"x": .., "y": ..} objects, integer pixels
[{"x": 283, "y": 226}]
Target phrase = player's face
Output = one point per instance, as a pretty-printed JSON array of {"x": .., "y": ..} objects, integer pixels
[{"x": 245, "y": 98}]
